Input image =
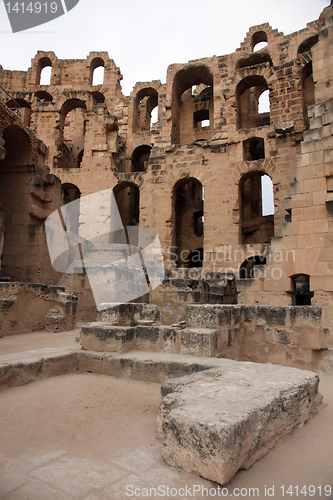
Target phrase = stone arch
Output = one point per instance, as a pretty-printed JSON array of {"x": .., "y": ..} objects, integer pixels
[
  {"x": 15, "y": 185},
  {"x": 307, "y": 44},
  {"x": 254, "y": 59},
  {"x": 72, "y": 131},
  {"x": 127, "y": 195},
  {"x": 262, "y": 33},
  {"x": 255, "y": 226},
  {"x": 258, "y": 37},
  {"x": 96, "y": 62},
  {"x": 188, "y": 222},
  {"x": 44, "y": 96},
  {"x": 139, "y": 158},
  {"x": 252, "y": 267},
  {"x": 144, "y": 102},
  {"x": 43, "y": 62},
  {"x": 248, "y": 91},
  {"x": 184, "y": 130},
  {"x": 98, "y": 97},
  {"x": 71, "y": 193}
]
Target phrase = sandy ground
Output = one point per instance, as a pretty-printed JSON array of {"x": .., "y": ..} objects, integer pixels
[{"x": 89, "y": 437}]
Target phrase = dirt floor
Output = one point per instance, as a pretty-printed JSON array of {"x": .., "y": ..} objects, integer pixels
[{"x": 89, "y": 437}]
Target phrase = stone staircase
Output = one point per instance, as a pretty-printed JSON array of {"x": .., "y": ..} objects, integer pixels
[{"x": 137, "y": 327}]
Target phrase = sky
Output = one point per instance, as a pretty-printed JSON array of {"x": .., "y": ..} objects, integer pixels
[{"x": 144, "y": 37}]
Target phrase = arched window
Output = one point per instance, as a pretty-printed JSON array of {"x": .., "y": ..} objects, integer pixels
[
  {"x": 307, "y": 44},
  {"x": 301, "y": 293},
  {"x": 127, "y": 196},
  {"x": 259, "y": 41},
  {"x": 253, "y": 267},
  {"x": 144, "y": 103},
  {"x": 140, "y": 156},
  {"x": 44, "y": 71},
  {"x": 248, "y": 93},
  {"x": 71, "y": 193},
  {"x": 188, "y": 223},
  {"x": 192, "y": 105},
  {"x": 98, "y": 97},
  {"x": 96, "y": 71},
  {"x": 73, "y": 128},
  {"x": 256, "y": 208}
]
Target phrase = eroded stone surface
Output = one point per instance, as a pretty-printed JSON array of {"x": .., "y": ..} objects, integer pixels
[{"x": 224, "y": 419}]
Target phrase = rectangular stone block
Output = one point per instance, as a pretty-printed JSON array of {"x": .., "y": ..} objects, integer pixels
[{"x": 244, "y": 410}]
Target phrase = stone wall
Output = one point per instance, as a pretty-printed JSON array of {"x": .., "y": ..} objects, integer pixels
[
  {"x": 286, "y": 335},
  {"x": 212, "y": 140}
]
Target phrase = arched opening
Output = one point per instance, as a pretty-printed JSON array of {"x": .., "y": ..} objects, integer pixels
[
  {"x": 15, "y": 185},
  {"x": 144, "y": 103},
  {"x": 301, "y": 294},
  {"x": 73, "y": 127},
  {"x": 248, "y": 93},
  {"x": 188, "y": 234},
  {"x": 256, "y": 208},
  {"x": 96, "y": 71},
  {"x": 254, "y": 149},
  {"x": 44, "y": 71},
  {"x": 253, "y": 267},
  {"x": 71, "y": 193},
  {"x": 22, "y": 109},
  {"x": 192, "y": 105},
  {"x": 44, "y": 96},
  {"x": 139, "y": 158},
  {"x": 307, "y": 44},
  {"x": 259, "y": 41},
  {"x": 308, "y": 96},
  {"x": 127, "y": 196},
  {"x": 98, "y": 97},
  {"x": 254, "y": 59}
]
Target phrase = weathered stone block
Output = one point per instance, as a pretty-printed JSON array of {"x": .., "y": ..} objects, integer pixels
[{"x": 244, "y": 410}]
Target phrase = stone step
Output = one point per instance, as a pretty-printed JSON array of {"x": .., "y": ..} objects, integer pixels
[{"x": 101, "y": 336}]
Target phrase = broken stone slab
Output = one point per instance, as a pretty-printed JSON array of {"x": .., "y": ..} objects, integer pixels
[
  {"x": 215, "y": 422},
  {"x": 284, "y": 128}
]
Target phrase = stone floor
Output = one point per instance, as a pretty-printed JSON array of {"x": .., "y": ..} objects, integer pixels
[{"x": 88, "y": 437}]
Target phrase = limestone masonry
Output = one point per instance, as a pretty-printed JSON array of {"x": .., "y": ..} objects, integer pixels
[{"x": 241, "y": 196}]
